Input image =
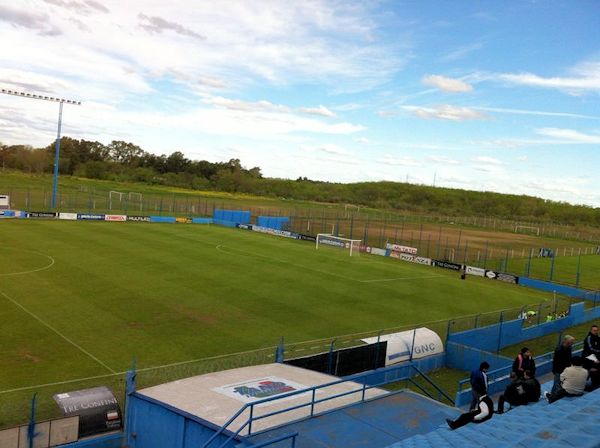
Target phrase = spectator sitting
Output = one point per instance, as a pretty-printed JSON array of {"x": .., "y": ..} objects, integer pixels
[
  {"x": 533, "y": 389},
  {"x": 524, "y": 361},
  {"x": 572, "y": 382},
  {"x": 561, "y": 360},
  {"x": 591, "y": 349},
  {"x": 479, "y": 383},
  {"x": 483, "y": 412},
  {"x": 515, "y": 393}
]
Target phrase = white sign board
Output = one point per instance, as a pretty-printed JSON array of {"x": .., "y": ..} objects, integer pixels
[{"x": 4, "y": 202}]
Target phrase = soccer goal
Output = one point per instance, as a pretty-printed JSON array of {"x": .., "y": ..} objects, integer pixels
[
  {"x": 336, "y": 241},
  {"x": 527, "y": 229},
  {"x": 117, "y": 194}
]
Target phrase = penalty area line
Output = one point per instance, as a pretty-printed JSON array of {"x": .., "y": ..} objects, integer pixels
[{"x": 47, "y": 325}]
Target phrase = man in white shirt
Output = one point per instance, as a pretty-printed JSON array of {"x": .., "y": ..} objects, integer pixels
[{"x": 572, "y": 381}]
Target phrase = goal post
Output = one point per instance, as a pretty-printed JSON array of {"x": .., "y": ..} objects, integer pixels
[
  {"x": 336, "y": 241},
  {"x": 532, "y": 229}
]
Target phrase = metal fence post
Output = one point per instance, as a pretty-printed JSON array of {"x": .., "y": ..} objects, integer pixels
[
  {"x": 412, "y": 348},
  {"x": 31, "y": 434}
]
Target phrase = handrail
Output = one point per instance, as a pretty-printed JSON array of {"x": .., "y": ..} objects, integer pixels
[
  {"x": 277, "y": 439},
  {"x": 503, "y": 371},
  {"x": 430, "y": 381},
  {"x": 313, "y": 400}
]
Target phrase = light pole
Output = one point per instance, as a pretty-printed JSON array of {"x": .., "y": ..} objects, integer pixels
[{"x": 60, "y": 102}]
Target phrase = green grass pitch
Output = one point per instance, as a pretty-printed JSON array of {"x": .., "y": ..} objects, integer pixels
[
  {"x": 166, "y": 293},
  {"x": 80, "y": 299}
]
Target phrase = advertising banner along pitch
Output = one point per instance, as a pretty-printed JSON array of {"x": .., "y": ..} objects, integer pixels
[
  {"x": 479, "y": 272},
  {"x": 41, "y": 215},
  {"x": 503, "y": 277},
  {"x": 447, "y": 265},
  {"x": 402, "y": 249}
]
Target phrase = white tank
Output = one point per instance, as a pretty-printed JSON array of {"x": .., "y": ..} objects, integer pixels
[{"x": 422, "y": 342}]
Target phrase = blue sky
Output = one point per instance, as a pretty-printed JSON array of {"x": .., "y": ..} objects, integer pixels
[{"x": 487, "y": 95}]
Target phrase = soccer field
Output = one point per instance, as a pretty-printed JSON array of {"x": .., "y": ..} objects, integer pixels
[{"x": 81, "y": 299}]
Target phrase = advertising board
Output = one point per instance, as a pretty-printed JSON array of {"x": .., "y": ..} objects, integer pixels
[
  {"x": 503, "y": 277},
  {"x": 138, "y": 218},
  {"x": 90, "y": 217},
  {"x": 479, "y": 272},
  {"x": 402, "y": 249},
  {"x": 378, "y": 251},
  {"x": 68, "y": 216},
  {"x": 120, "y": 218},
  {"x": 447, "y": 265},
  {"x": 422, "y": 260},
  {"x": 41, "y": 214}
]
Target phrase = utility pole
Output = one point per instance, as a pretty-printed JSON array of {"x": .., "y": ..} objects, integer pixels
[{"x": 60, "y": 102}]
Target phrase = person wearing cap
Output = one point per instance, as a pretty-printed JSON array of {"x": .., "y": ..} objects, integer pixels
[
  {"x": 561, "y": 360},
  {"x": 524, "y": 361}
]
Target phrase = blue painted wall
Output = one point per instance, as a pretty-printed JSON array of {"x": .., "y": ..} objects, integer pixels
[
  {"x": 550, "y": 286},
  {"x": 272, "y": 222},
  {"x": 152, "y": 424},
  {"x": 108, "y": 441},
  {"x": 170, "y": 219},
  {"x": 202, "y": 220},
  {"x": 496, "y": 336},
  {"x": 234, "y": 216}
]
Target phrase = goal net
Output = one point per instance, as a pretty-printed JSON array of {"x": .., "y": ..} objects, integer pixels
[{"x": 353, "y": 246}]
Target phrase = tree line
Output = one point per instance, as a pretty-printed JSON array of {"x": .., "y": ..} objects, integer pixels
[{"x": 124, "y": 161}]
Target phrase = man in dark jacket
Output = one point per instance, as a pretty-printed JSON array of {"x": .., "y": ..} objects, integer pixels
[
  {"x": 482, "y": 413},
  {"x": 591, "y": 346},
  {"x": 523, "y": 361},
  {"x": 533, "y": 389},
  {"x": 591, "y": 343},
  {"x": 479, "y": 383},
  {"x": 515, "y": 393},
  {"x": 561, "y": 360}
]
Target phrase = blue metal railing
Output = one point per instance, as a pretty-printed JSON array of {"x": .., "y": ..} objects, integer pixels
[
  {"x": 276, "y": 440},
  {"x": 247, "y": 424},
  {"x": 504, "y": 372}
]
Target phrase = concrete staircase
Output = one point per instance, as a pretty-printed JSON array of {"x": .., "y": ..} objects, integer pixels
[{"x": 570, "y": 422}]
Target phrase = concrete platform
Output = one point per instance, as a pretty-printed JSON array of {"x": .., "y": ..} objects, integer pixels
[
  {"x": 375, "y": 424},
  {"x": 216, "y": 397}
]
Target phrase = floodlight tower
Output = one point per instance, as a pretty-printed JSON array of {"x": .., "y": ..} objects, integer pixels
[{"x": 60, "y": 102}]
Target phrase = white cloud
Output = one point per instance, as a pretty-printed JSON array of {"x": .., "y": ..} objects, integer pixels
[
  {"x": 445, "y": 112},
  {"x": 534, "y": 112},
  {"x": 522, "y": 158},
  {"x": 569, "y": 135},
  {"x": 333, "y": 149},
  {"x": 362, "y": 140},
  {"x": 246, "y": 106},
  {"x": 389, "y": 159},
  {"x": 321, "y": 110},
  {"x": 585, "y": 77},
  {"x": 443, "y": 160},
  {"x": 487, "y": 160},
  {"x": 446, "y": 84},
  {"x": 462, "y": 52}
]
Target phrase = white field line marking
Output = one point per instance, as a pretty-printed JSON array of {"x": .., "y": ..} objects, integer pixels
[
  {"x": 33, "y": 270},
  {"x": 399, "y": 278},
  {"x": 145, "y": 369},
  {"x": 47, "y": 325},
  {"x": 221, "y": 248}
]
